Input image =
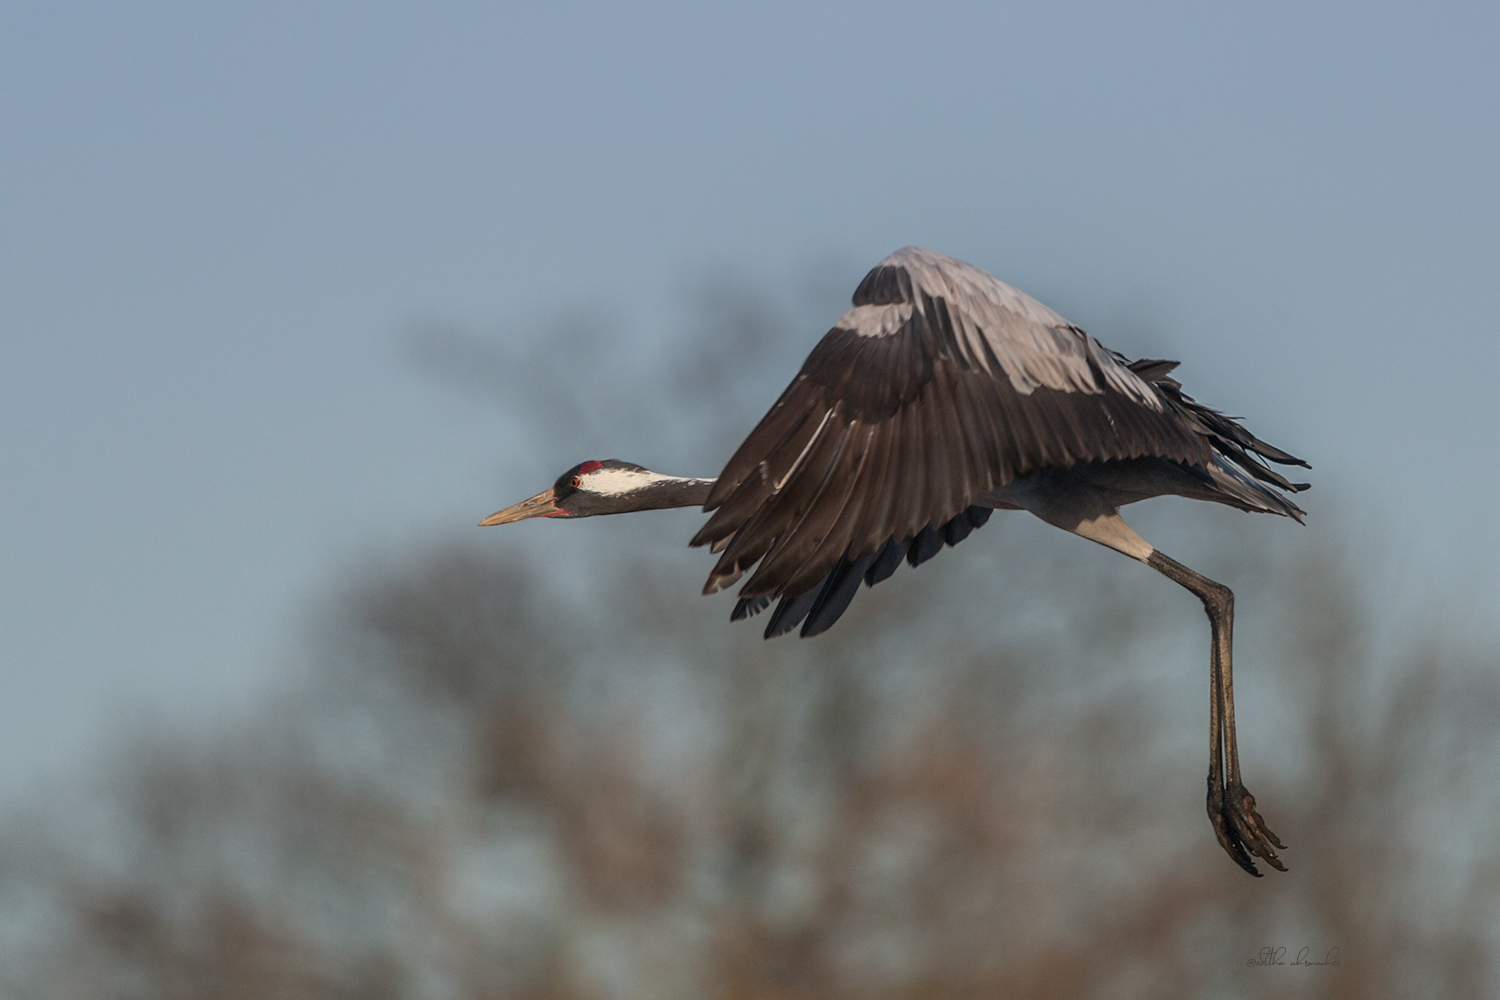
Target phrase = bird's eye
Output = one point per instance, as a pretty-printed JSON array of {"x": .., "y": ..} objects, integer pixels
[{"x": 576, "y": 482}]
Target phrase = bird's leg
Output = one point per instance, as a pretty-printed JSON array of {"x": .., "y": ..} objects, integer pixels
[
  {"x": 1239, "y": 827},
  {"x": 1084, "y": 510},
  {"x": 1216, "y": 752}
]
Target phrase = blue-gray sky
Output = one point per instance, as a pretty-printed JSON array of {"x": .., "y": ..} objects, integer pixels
[{"x": 217, "y": 220}]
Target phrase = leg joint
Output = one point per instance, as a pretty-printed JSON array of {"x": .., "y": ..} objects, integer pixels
[{"x": 1217, "y": 599}]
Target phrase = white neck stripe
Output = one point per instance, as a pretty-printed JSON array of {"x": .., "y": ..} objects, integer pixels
[{"x": 620, "y": 482}]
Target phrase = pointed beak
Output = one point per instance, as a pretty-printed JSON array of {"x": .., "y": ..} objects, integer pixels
[{"x": 544, "y": 504}]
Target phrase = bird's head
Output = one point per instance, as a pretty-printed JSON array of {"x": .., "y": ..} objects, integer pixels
[{"x": 607, "y": 487}]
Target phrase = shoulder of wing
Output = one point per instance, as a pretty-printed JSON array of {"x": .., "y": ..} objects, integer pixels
[{"x": 954, "y": 309}]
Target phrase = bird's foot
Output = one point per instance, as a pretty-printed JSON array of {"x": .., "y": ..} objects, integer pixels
[{"x": 1241, "y": 832}]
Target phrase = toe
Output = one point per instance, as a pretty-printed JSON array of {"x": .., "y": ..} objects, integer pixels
[
  {"x": 1229, "y": 838},
  {"x": 1252, "y": 830}
]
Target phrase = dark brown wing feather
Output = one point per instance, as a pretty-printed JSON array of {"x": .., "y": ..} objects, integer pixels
[{"x": 881, "y": 444}]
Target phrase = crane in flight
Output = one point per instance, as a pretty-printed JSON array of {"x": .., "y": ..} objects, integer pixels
[{"x": 942, "y": 395}]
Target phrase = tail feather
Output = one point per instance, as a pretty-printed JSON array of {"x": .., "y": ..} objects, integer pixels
[
  {"x": 1249, "y": 493},
  {"x": 1238, "y": 469}
]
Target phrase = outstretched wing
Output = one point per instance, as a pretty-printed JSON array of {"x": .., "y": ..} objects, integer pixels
[{"x": 941, "y": 384}]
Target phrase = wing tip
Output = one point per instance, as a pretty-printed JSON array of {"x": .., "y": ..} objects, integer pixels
[{"x": 749, "y": 607}]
